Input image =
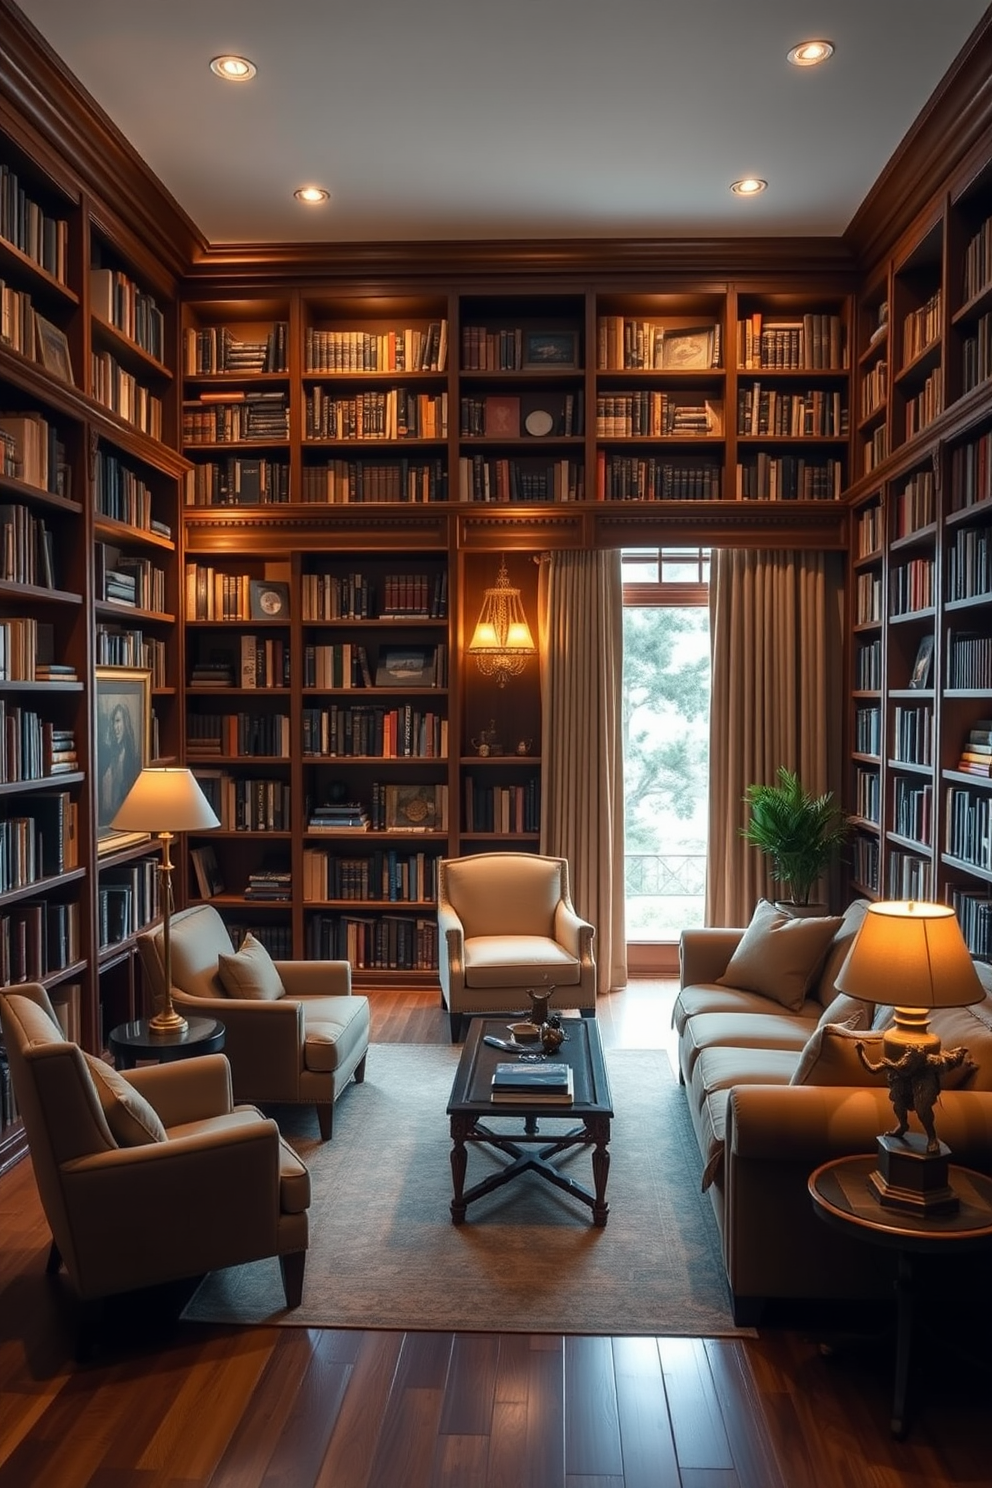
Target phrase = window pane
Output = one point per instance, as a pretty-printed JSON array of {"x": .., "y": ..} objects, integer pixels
[{"x": 666, "y": 753}]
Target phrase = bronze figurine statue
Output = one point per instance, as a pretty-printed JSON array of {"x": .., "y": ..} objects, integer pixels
[{"x": 914, "y": 1084}]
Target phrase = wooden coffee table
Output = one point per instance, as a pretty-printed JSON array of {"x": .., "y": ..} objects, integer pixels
[{"x": 529, "y": 1151}]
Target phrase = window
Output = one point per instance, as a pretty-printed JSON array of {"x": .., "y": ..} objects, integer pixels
[{"x": 666, "y": 698}]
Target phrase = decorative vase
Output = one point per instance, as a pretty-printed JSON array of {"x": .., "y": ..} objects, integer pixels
[{"x": 540, "y": 1002}]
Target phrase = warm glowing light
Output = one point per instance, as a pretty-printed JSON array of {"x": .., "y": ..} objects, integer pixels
[
  {"x": 811, "y": 53},
  {"x": 312, "y": 195},
  {"x": 501, "y": 642},
  {"x": 233, "y": 69},
  {"x": 748, "y": 186}
]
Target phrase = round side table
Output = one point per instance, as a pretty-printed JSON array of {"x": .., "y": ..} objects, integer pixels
[
  {"x": 841, "y": 1197},
  {"x": 129, "y": 1042}
]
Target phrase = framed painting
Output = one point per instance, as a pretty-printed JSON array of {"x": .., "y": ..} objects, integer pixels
[
  {"x": 123, "y": 746},
  {"x": 52, "y": 348},
  {"x": 550, "y": 349}
]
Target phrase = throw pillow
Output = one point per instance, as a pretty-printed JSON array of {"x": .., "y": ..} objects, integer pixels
[
  {"x": 250, "y": 972},
  {"x": 830, "y": 1057},
  {"x": 132, "y": 1121},
  {"x": 850, "y": 1011},
  {"x": 779, "y": 956}
]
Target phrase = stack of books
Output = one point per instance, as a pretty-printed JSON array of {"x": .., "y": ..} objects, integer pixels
[
  {"x": 338, "y": 816},
  {"x": 546, "y": 1082},
  {"x": 976, "y": 756}
]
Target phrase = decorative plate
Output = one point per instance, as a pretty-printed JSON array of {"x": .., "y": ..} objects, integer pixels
[{"x": 539, "y": 422}]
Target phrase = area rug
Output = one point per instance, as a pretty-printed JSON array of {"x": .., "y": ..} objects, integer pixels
[{"x": 384, "y": 1253}]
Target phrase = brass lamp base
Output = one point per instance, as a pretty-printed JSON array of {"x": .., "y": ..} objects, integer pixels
[
  {"x": 168, "y": 1021},
  {"x": 910, "y": 1178}
]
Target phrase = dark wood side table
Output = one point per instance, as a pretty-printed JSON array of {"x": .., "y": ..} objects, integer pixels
[
  {"x": 841, "y": 1197},
  {"x": 129, "y": 1042}
]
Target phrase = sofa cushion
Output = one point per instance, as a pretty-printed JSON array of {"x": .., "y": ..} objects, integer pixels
[
  {"x": 132, "y": 1121},
  {"x": 780, "y": 956},
  {"x": 333, "y": 1028},
  {"x": 509, "y": 961},
  {"x": 721, "y": 1068},
  {"x": 250, "y": 973},
  {"x": 742, "y": 1031},
  {"x": 848, "y": 1010},
  {"x": 837, "y": 952},
  {"x": 831, "y": 1057},
  {"x": 707, "y": 997}
]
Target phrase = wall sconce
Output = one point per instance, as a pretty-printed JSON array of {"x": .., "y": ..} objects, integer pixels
[{"x": 502, "y": 642}]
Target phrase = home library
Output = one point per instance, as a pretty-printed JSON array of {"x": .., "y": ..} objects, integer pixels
[{"x": 175, "y": 409}]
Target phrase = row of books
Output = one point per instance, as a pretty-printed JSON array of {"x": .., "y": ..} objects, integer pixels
[
  {"x": 17, "y": 321},
  {"x": 358, "y": 596},
  {"x": 37, "y": 453},
  {"x": 387, "y": 876},
  {"x": 246, "y": 804},
  {"x": 925, "y": 406},
  {"x": 397, "y": 413},
  {"x": 502, "y": 808},
  {"x": 968, "y": 829},
  {"x": 215, "y": 349},
  {"x": 213, "y": 594},
  {"x": 485, "y": 479},
  {"x": 128, "y": 899},
  {"x": 812, "y": 342},
  {"x": 913, "y": 735},
  {"x": 346, "y": 665},
  {"x": 909, "y": 876},
  {"x": 26, "y": 646},
  {"x": 868, "y": 730},
  {"x": 789, "y": 478},
  {"x": 38, "y": 937},
  {"x": 971, "y": 472},
  {"x": 374, "y": 943},
  {"x": 238, "y": 482},
  {"x": 246, "y": 734},
  {"x": 126, "y": 646},
  {"x": 973, "y": 908},
  {"x": 127, "y": 579},
  {"x": 969, "y": 564},
  {"x": 123, "y": 496},
  {"x": 274, "y": 884},
  {"x": 913, "y": 810},
  {"x": 27, "y": 547},
  {"x": 343, "y": 665},
  {"x": 505, "y": 416},
  {"x": 653, "y": 414},
  {"x": 33, "y": 231},
  {"x": 399, "y": 349},
  {"x": 392, "y": 807},
  {"x": 339, "y": 482},
  {"x": 249, "y": 418},
  {"x": 868, "y": 796},
  {"x": 639, "y": 478},
  {"x": 815, "y": 413},
  {"x": 969, "y": 660},
  {"x": 921, "y": 328},
  {"x": 916, "y": 503},
  {"x": 117, "y": 300},
  {"x": 41, "y": 843},
  {"x": 911, "y": 586},
  {"x": 976, "y": 355},
  {"x": 32, "y": 747},
  {"x": 120, "y": 391},
  {"x": 874, "y": 389},
  {"x": 624, "y": 343},
  {"x": 366, "y": 731}
]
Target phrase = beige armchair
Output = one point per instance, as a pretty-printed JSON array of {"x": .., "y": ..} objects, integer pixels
[
  {"x": 153, "y": 1175},
  {"x": 298, "y": 1041},
  {"x": 507, "y": 924}
]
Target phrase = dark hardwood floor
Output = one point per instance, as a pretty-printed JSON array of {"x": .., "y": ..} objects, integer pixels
[{"x": 173, "y": 1405}]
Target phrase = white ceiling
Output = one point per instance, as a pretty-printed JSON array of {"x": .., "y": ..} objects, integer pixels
[{"x": 447, "y": 119}]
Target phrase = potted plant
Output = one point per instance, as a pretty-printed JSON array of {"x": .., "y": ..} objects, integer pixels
[{"x": 800, "y": 833}]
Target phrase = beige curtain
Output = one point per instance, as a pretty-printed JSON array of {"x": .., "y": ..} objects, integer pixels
[
  {"x": 776, "y": 634},
  {"x": 582, "y": 746}
]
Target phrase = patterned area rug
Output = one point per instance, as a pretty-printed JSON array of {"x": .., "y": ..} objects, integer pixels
[{"x": 384, "y": 1253}]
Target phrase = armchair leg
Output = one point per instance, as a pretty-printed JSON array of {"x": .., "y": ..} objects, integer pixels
[
  {"x": 325, "y": 1119},
  {"x": 292, "y": 1267},
  {"x": 360, "y": 1068},
  {"x": 455, "y": 1024},
  {"x": 54, "y": 1263}
]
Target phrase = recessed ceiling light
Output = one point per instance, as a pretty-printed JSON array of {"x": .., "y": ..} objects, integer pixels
[
  {"x": 748, "y": 186},
  {"x": 312, "y": 195},
  {"x": 233, "y": 69},
  {"x": 811, "y": 53}
]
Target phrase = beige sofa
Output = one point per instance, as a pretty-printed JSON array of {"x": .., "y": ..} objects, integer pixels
[{"x": 761, "y": 1135}]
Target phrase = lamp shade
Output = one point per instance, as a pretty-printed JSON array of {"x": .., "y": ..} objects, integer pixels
[
  {"x": 910, "y": 953},
  {"x": 165, "y": 799}
]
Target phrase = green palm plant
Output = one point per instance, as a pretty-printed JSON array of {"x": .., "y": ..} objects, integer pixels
[{"x": 800, "y": 833}]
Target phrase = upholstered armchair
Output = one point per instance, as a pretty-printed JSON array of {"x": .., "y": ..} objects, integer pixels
[
  {"x": 150, "y": 1176},
  {"x": 506, "y": 925},
  {"x": 295, "y": 1032}
]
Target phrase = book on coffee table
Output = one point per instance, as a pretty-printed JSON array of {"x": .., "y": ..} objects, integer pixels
[{"x": 551, "y": 1083}]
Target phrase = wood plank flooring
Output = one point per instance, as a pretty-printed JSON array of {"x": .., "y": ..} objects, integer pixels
[{"x": 172, "y": 1405}]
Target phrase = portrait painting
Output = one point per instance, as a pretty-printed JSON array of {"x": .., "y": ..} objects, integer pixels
[{"x": 123, "y": 735}]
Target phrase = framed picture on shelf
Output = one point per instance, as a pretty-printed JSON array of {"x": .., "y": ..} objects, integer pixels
[
  {"x": 51, "y": 348},
  {"x": 268, "y": 599},
  {"x": 920, "y": 676},
  {"x": 123, "y": 733},
  {"x": 412, "y": 808},
  {"x": 687, "y": 350},
  {"x": 406, "y": 666},
  {"x": 554, "y": 349}
]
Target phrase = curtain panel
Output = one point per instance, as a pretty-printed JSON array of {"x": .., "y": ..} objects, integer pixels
[
  {"x": 582, "y": 802},
  {"x": 776, "y": 636}
]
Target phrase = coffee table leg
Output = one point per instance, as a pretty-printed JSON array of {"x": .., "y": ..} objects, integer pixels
[
  {"x": 600, "y": 1129},
  {"x": 459, "y": 1165}
]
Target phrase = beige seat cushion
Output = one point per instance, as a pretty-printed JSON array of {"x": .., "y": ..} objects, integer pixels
[
  {"x": 779, "y": 956},
  {"x": 509, "y": 961},
  {"x": 707, "y": 997},
  {"x": 334, "y": 1027},
  {"x": 250, "y": 973},
  {"x": 132, "y": 1121},
  {"x": 722, "y": 1068},
  {"x": 742, "y": 1031}
]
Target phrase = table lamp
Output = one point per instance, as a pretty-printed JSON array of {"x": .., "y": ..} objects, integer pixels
[
  {"x": 911, "y": 954},
  {"x": 165, "y": 800}
]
